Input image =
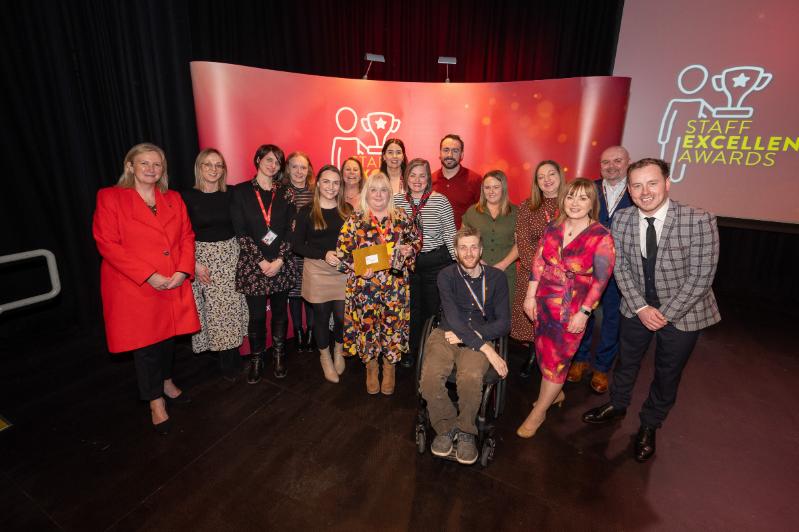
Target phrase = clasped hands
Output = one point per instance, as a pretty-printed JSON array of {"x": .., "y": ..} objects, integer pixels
[
  {"x": 652, "y": 318},
  {"x": 161, "y": 282},
  {"x": 271, "y": 268}
]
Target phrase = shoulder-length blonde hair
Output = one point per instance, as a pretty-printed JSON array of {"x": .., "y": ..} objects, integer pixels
[
  {"x": 376, "y": 179},
  {"x": 344, "y": 208},
  {"x": 198, "y": 176},
  {"x": 127, "y": 180},
  {"x": 536, "y": 196},
  {"x": 577, "y": 186},
  {"x": 504, "y": 202}
]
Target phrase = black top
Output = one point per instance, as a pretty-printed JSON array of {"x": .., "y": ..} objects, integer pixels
[
  {"x": 209, "y": 214},
  {"x": 312, "y": 243},
  {"x": 248, "y": 220},
  {"x": 461, "y": 314}
]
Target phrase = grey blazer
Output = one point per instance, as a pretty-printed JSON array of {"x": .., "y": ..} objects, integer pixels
[{"x": 688, "y": 252}]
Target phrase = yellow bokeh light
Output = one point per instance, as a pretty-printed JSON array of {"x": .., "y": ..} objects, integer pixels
[
  {"x": 486, "y": 121},
  {"x": 514, "y": 106},
  {"x": 562, "y": 138},
  {"x": 593, "y": 143},
  {"x": 545, "y": 109}
]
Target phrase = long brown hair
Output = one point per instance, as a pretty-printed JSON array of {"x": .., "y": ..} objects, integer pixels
[
  {"x": 536, "y": 196},
  {"x": 344, "y": 208},
  {"x": 504, "y": 202}
]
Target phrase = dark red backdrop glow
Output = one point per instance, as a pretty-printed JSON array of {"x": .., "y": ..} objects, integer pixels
[{"x": 510, "y": 126}]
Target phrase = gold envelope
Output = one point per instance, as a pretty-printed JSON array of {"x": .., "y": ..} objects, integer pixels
[{"x": 374, "y": 257}]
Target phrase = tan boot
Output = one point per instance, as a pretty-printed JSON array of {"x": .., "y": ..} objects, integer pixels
[
  {"x": 387, "y": 386},
  {"x": 338, "y": 358},
  {"x": 327, "y": 365},
  {"x": 372, "y": 382}
]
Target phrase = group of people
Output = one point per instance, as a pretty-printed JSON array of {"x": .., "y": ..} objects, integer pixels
[{"x": 214, "y": 259}]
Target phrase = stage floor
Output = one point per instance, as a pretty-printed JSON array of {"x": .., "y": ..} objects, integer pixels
[{"x": 304, "y": 454}]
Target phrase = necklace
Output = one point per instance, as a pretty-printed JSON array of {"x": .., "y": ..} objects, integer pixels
[{"x": 571, "y": 230}]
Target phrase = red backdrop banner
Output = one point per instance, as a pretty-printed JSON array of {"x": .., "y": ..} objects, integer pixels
[{"x": 510, "y": 126}]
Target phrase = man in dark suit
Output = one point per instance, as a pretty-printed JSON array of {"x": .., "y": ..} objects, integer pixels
[
  {"x": 666, "y": 257},
  {"x": 613, "y": 197}
]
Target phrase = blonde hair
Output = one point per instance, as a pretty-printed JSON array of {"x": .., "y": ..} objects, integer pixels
[
  {"x": 198, "y": 177},
  {"x": 504, "y": 202},
  {"x": 127, "y": 179},
  {"x": 344, "y": 208},
  {"x": 373, "y": 180},
  {"x": 580, "y": 184},
  {"x": 536, "y": 196}
]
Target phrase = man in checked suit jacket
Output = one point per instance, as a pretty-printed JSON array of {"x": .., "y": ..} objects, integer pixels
[{"x": 668, "y": 298}]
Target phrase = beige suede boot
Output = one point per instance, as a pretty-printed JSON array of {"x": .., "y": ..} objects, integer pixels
[
  {"x": 372, "y": 382},
  {"x": 387, "y": 386},
  {"x": 338, "y": 358},
  {"x": 327, "y": 365}
]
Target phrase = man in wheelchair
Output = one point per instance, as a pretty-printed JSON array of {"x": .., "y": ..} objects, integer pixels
[{"x": 475, "y": 311}]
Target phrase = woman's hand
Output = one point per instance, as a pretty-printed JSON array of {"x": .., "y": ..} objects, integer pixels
[
  {"x": 332, "y": 259},
  {"x": 158, "y": 281},
  {"x": 530, "y": 307},
  {"x": 406, "y": 250},
  {"x": 264, "y": 265},
  {"x": 577, "y": 323},
  {"x": 176, "y": 280},
  {"x": 202, "y": 273},
  {"x": 274, "y": 267},
  {"x": 368, "y": 274}
]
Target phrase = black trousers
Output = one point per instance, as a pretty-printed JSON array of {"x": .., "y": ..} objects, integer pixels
[
  {"x": 257, "y": 307},
  {"x": 425, "y": 300},
  {"x": 154, "y": 366},
  {"x": 321, "y": 328},
  {"x": 673, "y": 347}
]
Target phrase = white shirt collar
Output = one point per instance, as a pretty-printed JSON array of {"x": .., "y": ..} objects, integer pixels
[
  {"x": 621, "y": 183},
  {"x": 660, "y": 214}
]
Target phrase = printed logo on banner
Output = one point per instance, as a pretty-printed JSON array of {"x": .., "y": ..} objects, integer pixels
[
  {"x": 718, "y": 132},
  {"x": 367, "y": 143}
]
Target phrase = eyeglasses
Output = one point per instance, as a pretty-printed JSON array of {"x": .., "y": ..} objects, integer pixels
[{"x": 209, "y": 166}]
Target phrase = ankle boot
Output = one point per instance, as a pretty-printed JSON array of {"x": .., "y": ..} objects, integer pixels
[
  {"x": 338, "y": 358},
  {"x": 309, "y": 343},
  {"x": 278, "y": 356},
  {"x": 229, "y": 364},
  {"x": 372, "y": 382},
  {"x": 527, "y": 369},
  {"x": 327, "y": 365},
  {"x": 299, "y": 340},
  {"x": 387, "y": 386},
  {"x": 257, "y": 346}
]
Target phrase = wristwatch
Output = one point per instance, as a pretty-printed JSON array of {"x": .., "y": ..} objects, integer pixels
[{"x": 586, "y": 312}]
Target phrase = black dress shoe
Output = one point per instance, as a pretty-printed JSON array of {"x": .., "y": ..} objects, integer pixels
[
  {"x": 603, "y": 414},
  {"x": 163, "y": 427},
  {"x": 182, "y": 399},
  {"x": 645, "y": 444}
]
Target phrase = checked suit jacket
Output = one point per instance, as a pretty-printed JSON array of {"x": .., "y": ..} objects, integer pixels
[{"x": 688, "y": 252}]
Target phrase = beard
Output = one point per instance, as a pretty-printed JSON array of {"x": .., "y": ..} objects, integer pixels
[{"x": 449, "y": 163}]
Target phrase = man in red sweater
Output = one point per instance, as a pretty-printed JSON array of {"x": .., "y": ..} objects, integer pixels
[{"x": 460, "y": 185}]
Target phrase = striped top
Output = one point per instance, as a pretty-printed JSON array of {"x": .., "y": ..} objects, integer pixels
[{"x": 437, "y": 221}]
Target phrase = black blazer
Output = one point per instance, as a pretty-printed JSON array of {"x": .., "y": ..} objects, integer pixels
[{"x": 248, "y": 220}]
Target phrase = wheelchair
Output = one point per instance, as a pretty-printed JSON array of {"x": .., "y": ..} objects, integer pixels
[{"x": 491, "y": 405}]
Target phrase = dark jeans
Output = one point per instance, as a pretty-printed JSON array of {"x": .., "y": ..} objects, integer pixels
[
  {"x": 672, "y": 349},
  {"x": 279, "y": 321},
  {"x": 608, "y": 331},
  {"x": 425, "y": 300},
  {"x": 154, "y": 366},
  {"x": 321, "y": 330}
]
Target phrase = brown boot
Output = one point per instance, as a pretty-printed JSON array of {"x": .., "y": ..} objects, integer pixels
[
  {"x": 599, "y": 382},
  {"x": 387, "y": 386},
  {"x": 327, "y": 365},
  {"x": 338, "y": 358},
  {"x": 372, "y": 382},
  {"x": 576, "y": 371}
]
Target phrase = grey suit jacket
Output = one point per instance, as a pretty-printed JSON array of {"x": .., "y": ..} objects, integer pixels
[{"x": 688, "y": 252}]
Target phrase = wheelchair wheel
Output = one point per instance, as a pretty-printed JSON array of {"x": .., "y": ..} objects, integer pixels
[
  {"x": 487, "y": 453},
  {"x": 421, "y": 439}
]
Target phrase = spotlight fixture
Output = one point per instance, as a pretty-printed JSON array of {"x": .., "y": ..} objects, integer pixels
[
  {"x": 372, "y": 58},
  {"x": 447, "y": 60}
]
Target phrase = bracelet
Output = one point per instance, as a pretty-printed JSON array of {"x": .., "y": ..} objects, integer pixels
[{"x": 586, "y": 312}]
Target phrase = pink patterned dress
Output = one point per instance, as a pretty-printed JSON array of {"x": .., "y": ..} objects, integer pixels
[{"x": 568, "y": 278}]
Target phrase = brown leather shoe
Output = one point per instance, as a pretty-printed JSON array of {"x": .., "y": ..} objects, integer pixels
[
  {"x": 576, "y": 371},
  {"x": 372, "y": 382},
  {"x": 599, "y": 382}
]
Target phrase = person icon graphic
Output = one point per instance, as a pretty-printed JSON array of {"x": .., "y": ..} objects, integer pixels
[
  {"x": 685, "y": 109},
  {"x": 346, "y": 146}
]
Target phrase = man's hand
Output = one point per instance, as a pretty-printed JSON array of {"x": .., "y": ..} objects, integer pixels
[
  {"x": 452, "y": 338},
  {"x": 495, "y": 360},
  {"x": 652, "y": 318}
]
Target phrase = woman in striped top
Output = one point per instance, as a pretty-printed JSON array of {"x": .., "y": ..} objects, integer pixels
[{"x": 433, "y": 216}]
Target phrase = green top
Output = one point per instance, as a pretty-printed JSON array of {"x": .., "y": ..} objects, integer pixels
[{"x": 498, "y": 237}]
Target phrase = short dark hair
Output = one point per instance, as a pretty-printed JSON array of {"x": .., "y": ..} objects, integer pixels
[
  {"x": 451, "y": 136},
  {"x": 264, "y": 150},
  {"x": 650, "y": 161},
  {"x": 467, "y": 230}
]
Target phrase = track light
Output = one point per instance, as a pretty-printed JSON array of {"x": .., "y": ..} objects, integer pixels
[
  {"x": 447, "y": 60},
  {"x": 372, "y": 58}
]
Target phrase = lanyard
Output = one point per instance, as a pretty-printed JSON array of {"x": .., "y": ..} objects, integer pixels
[
  {"x": 477, "y": 302},
  {"x": 267, "y": 215},
  {"x": 382, "y": 232}
]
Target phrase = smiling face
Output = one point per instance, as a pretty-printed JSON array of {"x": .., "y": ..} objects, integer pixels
[
  {"x": 329, "y": 184},
  {"x": 212, "y": 169},
  {"x": 469, "y": 251},
  {"x": 351, "y": 173},
  {"x": 269, "y": 165},
  {"x": 147, "y": 168},
  {"x": 613, "y": 164},
  {"x": 377, "y": 195},
  {"x": 418, "y": 180},
  {"x": 577, "y": 203},
  {"x": 298, "y": 170},
  {"x": 393, "y": 156},
  {"x": 649, "y": 188},
  {"x": 492, "y": 189},
  {"x": 451, "y": 153},
  {"x": 548, "y": 180}
]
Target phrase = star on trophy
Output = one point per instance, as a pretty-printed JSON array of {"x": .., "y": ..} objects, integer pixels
[
  {"x": 737, "y": 83},
  {"x": 386, "y": 123}
]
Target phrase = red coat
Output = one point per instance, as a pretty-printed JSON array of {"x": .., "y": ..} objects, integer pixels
[{"x": 135, "y": 244}]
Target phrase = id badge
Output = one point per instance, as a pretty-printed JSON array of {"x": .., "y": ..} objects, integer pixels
[{"x": 269, "y": 237}]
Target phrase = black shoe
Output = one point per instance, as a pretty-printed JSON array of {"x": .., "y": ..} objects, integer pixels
[
  {"x": 299, "y": 340},
  {"x": 408, "y": 361},
  {"x": 182, "y": 399},
  {"x": 309, "y": 345},
  {"x": 604, "y": 413},
  {"x": 256, "y": 368},
  {"x": 527, "y": 369},
  {"x": 163, "y": 427},
  {"x": 278, "y": 356},
  {"x": 645, "y": 444}
]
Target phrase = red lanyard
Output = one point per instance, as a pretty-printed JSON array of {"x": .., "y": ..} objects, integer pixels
[
  {"x": 382, "y": 232},
  {"x": 267, "y": 215}
]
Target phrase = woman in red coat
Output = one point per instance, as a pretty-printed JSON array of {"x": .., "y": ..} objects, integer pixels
[{"x": 145, "y": 238}]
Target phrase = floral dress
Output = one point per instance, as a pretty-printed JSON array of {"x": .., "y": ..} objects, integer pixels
[
  {"x": 376, "y": 310},
  {"x": 568, "y": 277}
]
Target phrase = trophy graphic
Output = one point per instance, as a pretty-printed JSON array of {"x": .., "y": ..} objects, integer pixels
[
  {"x": 386, "y": 123},
  {"x": 737, "y": 83}
]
